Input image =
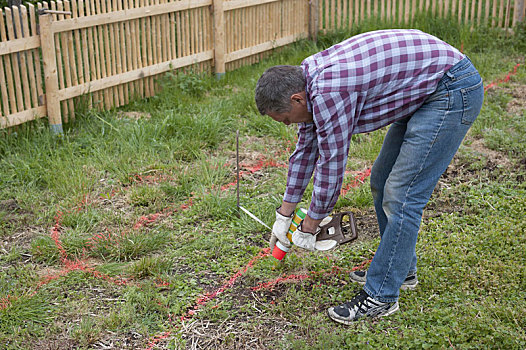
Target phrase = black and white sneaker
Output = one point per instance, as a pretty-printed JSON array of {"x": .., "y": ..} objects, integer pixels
[
  {"x": 362, "y": 305},
  {"x": 361, "y": 276}
]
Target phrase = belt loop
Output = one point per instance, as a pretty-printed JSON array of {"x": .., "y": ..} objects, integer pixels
[{"x": 450, "y": 75}]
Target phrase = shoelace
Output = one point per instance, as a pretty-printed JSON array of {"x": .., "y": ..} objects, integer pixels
[{"x": 357, "y": 300}]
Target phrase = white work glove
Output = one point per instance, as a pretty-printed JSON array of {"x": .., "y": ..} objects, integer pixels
[
  {"x": 280, "y": 230},
  {"x": 304, "y": 240},
  {"x": 308, "y": 241}
]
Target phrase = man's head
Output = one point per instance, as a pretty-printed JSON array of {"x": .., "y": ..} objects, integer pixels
[{"x": 280, "y": 94}]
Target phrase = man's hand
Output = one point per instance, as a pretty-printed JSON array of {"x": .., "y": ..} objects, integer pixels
[
  {"x": 305, "y": 240},
  {"x": 305, "y": 236},
  {"x": 280, "y": 229}
]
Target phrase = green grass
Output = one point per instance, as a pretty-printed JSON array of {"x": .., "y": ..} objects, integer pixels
[{"x": 141, "y": 204}]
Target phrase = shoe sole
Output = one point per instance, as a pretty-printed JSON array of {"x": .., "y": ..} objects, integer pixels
[
  {"x": 403, "y": 287},
  {"x": 335, "y": 318}
]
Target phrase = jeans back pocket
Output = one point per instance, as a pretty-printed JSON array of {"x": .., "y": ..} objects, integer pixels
[{"x": 472, "y": 99}]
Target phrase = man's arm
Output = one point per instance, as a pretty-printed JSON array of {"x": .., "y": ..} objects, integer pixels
[
  {"x": 334, "y": 114},
  {"x": 301, "y": 166}
]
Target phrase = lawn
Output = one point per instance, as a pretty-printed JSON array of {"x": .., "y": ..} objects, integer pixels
[{"x": 123, "y": 233}]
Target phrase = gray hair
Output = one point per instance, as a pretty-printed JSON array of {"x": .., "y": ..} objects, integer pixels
[{"x": 276, "y": 85}]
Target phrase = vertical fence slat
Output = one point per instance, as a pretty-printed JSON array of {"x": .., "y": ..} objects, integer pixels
[
  {"x": 13, "y": 65},
  {"x": 64, "y": 64},
  {"x": 102, "y": 47},
  {"x": 187, "y": 37},
  {"x": 200, "y": 26},
  {"x": 3, "y": 86},
  {"x": 36, "y": 57},
  {"x": 93, "y": 58},
  {"x": 173, "y": 43},
  {"x": 518, "y": 12},
  {"x": 78, "y": 48},
  {"x": 126, "y": 57},
  {"x": 179, "y": 33},
  {"x": 72, "y": 66},
  {"x": 27, "y": 60},
  {"x": 91, "y": 65},
  {"x": 507, "y": 18},
  {"x": 132, "y": 45},
  {"x": 141, "y": 49},
  {"x": 479, "y": 11},
  {"x": 501, "y": 13},
  {"x": 120, "y": 52},
  {"x": 3, "y": 75}
]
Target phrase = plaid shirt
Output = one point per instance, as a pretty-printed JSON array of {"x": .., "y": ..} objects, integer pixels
[{"x": 357, "y": 86}]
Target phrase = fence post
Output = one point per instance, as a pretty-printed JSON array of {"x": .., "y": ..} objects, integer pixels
[
  {"x": 518, "y": 12},
  {"x": 49, "y": 60},
  {"x": 313, "y": 19},
  {"x": 219, "y": 38}
]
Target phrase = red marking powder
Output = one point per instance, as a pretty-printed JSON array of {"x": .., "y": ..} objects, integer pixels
[
  {"x": 358, "y": 180},
  {"x": 6, "y": 301},
  {"x": 250, "y": 169},
  {"x": 203, "y": 300},
  {"x": 505, "y": 80},
  {"x": 335, "y": 270}
]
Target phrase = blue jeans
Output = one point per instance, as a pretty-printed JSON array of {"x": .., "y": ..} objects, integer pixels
[{"x": 415, "y": 153}]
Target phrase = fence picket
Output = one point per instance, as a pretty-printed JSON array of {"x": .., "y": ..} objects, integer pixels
[
  {"x": 26, "y": 68},
  {"x": 507, "y": 18},
  {"x": 4, "y": 74},
  {"x": 13, "y": 62},
  {"x": 36, "y": 56}
]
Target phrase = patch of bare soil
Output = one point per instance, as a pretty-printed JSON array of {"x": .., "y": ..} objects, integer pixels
[
  {"x": 517, "y": 105},
  {"x": 366, "y": 224},
  {"x": 494, "y": 157},
  {"x": 133, "y": 115},
  {"x": 18, "y": 222}
]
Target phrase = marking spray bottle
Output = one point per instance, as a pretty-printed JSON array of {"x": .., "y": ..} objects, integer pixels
[{"x": 280, "y": 250}]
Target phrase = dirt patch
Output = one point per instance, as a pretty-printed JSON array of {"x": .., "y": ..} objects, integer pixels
[
  {"x": 492, "y": 156},
  {"x": 366, "y": 224},
  {"x": 133, "y": 115},
  {"x": 9, "y": 205},
  {"x": 517, "y": 105}
]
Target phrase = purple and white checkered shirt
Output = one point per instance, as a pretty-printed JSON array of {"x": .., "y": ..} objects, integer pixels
[{"x": 357, "y": 86}]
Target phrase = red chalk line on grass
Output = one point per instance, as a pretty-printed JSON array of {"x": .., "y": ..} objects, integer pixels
[
  {"x": 333, "y": 271},
  {"x": 251, "y": 169},
  {"x": 203, "y": 300},
  {"x": 357, "y": 181},
  {"x": 504, "y": 80}
]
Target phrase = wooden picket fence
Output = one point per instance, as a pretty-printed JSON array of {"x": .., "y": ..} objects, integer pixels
[
  {"x": 333, "y": 14},
  {"x": 104, "y": 53}
]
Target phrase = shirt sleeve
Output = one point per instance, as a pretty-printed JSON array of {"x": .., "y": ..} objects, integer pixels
[
  {"x": 334, "y": 116},
  {"x": 301, "y": 163}
]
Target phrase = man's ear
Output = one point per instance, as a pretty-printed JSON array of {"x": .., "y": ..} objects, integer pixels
[{"x": 299, "y": 98}]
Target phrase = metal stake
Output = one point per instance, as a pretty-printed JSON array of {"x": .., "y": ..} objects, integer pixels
[{"x": 237, "y": 168}]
